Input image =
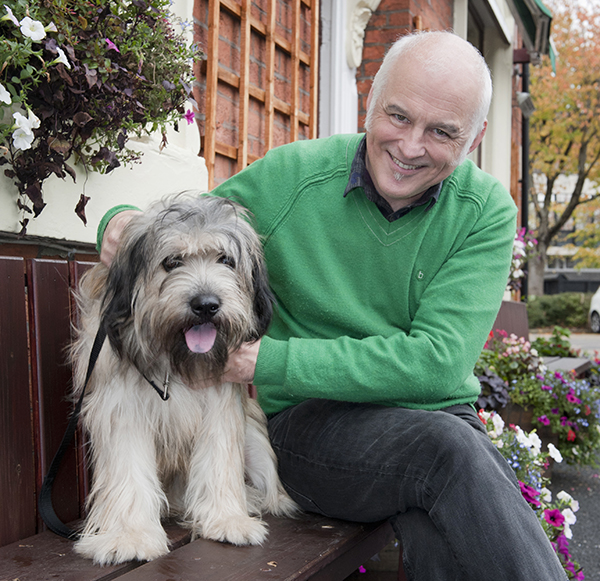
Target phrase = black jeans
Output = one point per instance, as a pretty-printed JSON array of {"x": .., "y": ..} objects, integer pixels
[{"x": 452, "y": 499}]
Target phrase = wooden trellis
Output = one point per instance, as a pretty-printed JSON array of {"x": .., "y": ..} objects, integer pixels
[{"x": 277, "y": 72}]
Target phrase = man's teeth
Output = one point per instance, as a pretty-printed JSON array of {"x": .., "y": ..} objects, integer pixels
[{"x": 404, "y": 165}]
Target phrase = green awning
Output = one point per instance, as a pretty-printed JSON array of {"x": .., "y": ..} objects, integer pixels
[{"x": 534, "y": 20}]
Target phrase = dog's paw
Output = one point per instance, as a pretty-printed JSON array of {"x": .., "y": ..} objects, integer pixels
[
  {"x": 237, "y": 530},
  {"x": 114, "y": 548}
]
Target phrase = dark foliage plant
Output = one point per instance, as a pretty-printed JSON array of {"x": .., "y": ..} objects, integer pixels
[{"x": 78, "y": 78}]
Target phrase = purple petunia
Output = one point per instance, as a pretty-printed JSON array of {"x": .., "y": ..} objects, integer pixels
[{"x": 554, "y": 517}]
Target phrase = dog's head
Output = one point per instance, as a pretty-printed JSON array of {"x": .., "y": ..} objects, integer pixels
[{"x": 188, "y": 282}]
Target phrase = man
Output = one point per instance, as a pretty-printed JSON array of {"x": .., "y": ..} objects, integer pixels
[{"x": 388, "y": 255}]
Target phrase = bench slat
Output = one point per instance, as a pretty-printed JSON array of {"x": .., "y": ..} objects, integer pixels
[
  {"x": 46, "y": 557},
  {"x": 309, "y": 547}
]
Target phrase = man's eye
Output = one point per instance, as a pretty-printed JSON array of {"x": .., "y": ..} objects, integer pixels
[
  {"x": 440, "y": 133},
  {"x": 400, "y": 118},
  {"x": 172, "y": 262},
  {"x": 226, "y": 260}
]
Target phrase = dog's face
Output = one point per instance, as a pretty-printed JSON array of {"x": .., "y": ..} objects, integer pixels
[{"x": 188, "y": 282}]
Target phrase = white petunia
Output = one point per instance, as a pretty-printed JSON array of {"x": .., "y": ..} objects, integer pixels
[
  {"x": 51, "y": 27},
  {"x": 10, "y": 16},
  {"x": 4, "y": 95},
  {"x": 498, "y": 423},
  {"x": 569, "y": 515},
  {"x": 567, "y": 530},
  {"x": 62, "y": 58},
  {"x": 33, "y": 29},
  {"x": 22, "y": 139},
  {"x": 562, "y": 495},
  {"x": 546, "y": 495},
  {"x": 26, "y": 123},
  {"x": 554, "y": 453}
]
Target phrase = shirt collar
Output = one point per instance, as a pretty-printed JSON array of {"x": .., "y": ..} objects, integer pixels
[{"x": 360, "y": 178}]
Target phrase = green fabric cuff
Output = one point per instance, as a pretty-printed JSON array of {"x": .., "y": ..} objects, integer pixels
[
  {"x": 107, "y": 218},
  {"x": 271, "y": 363}
]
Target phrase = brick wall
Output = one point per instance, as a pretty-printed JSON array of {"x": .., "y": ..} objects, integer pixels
[
  {"x": 392, "y": 19},
  {"x": 228, "y": 94}
]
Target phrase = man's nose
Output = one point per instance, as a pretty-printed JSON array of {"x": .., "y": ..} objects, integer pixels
[{"x": 412, "y": 143}]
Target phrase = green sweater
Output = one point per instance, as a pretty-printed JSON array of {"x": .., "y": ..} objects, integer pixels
[{"x": 367, "y": 310}]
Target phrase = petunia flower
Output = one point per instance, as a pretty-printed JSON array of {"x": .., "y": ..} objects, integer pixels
[
  {"x": 26, "y": 123},
  {"x": 529, "y": 494},
  {"x": 4, "y": 95},
  {"x": 111, "y": 45},
  {"x": 554, "y": 517},
  {"x": 10, "y": 16},
  {"x": 189, "y": 116},
  {"x": 554, "y": 453},
  {"x": 62, "y": 58},
  {"x": 33, "y": 29},
  {"x": 571, "y": 436},
  {"x": 544, "y": 420},
  {"x": 22, "y": 139},
  {"x": 569, "y": 515},
  {"x": 51, "y": 27}
]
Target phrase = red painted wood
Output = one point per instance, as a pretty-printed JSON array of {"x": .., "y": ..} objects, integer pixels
[
  {"x": 17, "y": 468},
  {"x": 50, "y": 337}
]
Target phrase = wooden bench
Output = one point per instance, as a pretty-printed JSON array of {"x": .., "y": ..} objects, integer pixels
[
  {"x": 35, "y": 328},
  {"x": 309, "y": 547}
]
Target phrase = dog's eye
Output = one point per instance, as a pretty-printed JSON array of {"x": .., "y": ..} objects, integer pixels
[
  {"x": 172, "y": 262},
  {"x": 226, "y": 260}
]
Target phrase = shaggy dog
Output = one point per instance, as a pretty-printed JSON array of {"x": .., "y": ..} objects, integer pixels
[{"x": 187, "y": 285}]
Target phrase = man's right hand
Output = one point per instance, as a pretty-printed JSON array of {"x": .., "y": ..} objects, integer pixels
[{"x": 112, "y": 234}]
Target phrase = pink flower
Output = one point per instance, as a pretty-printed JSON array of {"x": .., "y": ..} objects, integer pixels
[
  {"x": 111, "y": 45},
  {"x": 547, "y": 387},
  {"x": 563, "y": 545},
  {"x": 529, "y": 494},
  {"x": 189, "y": 116},
  {"x": 571, "y": 396},
  {"x": 544, "y": 420},
  {"x": 361, "y": 569},
  {"x": 554, "y": 517}
]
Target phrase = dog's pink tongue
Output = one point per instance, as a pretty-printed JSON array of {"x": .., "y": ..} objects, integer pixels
[{"x": 201, "y": 338}]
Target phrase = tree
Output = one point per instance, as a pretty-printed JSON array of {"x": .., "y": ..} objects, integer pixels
[{"x": 565, "y": 127}]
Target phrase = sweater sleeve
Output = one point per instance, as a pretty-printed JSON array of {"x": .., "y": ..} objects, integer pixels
[{"x": 425, "y": 367}]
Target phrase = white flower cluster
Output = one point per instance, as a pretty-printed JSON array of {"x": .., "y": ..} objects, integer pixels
[{"x": 23, "y": 128}]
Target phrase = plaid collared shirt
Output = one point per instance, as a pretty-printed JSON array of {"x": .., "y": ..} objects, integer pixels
[{"x": 360, "y": 178}]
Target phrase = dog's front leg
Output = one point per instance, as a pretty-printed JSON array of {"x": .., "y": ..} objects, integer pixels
[
  {"x": 126, "y": 499},
  {"x": 216, "y": 494}
]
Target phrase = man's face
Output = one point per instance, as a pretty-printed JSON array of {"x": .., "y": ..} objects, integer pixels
[{"x": 421, "y": 129}]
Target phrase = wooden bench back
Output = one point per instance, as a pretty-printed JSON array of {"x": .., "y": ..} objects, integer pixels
[{"x": 36, "y": 312}]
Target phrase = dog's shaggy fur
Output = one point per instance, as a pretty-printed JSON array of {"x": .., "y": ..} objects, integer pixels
[{"x": 187, "y": 285}]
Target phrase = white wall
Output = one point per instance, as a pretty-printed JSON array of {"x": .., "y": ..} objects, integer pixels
[{"x": 174, "y": 169}]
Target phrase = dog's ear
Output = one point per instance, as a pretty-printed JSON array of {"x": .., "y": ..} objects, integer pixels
[
  {"x": 263, "y": 300},
  {"x": 118, "y": 303}
]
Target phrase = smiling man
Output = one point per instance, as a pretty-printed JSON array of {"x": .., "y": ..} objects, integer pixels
[{"x": 388, "y": 254}]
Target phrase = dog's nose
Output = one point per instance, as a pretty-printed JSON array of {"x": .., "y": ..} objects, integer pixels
[{"x": 205, "y": 306}]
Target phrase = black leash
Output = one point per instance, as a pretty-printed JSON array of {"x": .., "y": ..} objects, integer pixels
[{"x": 45, "y": 500}]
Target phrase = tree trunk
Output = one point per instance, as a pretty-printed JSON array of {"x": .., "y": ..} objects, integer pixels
[{"x": 536, "y": 266}]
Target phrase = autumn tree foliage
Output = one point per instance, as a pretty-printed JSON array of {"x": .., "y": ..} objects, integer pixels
[{"x": 565, "y": 127}]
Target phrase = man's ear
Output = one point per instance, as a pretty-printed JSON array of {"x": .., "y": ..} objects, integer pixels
[
  {"x": 369, "y": 97},
  {"x": 478, "y": 139}
]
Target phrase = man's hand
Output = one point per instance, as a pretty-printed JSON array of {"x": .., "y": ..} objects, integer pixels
[
  {"x": 242, "y": 363},
  {"x": 112, "y": 235}
]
